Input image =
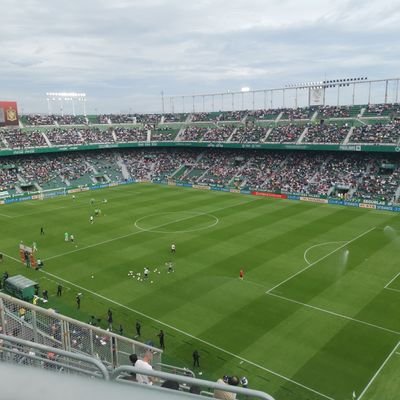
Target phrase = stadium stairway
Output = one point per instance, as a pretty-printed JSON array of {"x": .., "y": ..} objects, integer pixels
[
  {"x": 397, "y": 194},
  {"x": 124, "y": 170},
  {"x": 279, "y": 117},
  {"x": 180, "y": 133},
  {"x": 304, "y": 133},
  {"x": 46, "y": 138},
  {"x": 314, "y": 116},
  {"x": 233, "y": 132},
  {"x": 264, "y": 139},
  {"x": 347, "y": 138}
]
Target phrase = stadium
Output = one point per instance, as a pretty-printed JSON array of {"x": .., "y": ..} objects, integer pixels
[{"x": 243, "y": 243}]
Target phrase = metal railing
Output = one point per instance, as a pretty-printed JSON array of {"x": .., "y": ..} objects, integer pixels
[
  {"x": 19, "y": 351},
  {"x": 185, "y": 381},
  {"x": 35, "y": 324}
]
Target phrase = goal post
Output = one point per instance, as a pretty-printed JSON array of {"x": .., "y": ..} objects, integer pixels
[{"x": 49, "y": 193}]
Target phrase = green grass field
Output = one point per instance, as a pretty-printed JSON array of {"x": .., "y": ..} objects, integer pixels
[{"x": 317, "y": 315}]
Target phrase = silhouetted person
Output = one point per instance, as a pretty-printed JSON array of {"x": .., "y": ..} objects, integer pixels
[
  {"x": 161, "y": 336},
  {"x": 196, "y": 359},
  {"x": 59, "y": 290},
  {"x": 138, "y": 328},
  {"x": 109, "y": 319}
]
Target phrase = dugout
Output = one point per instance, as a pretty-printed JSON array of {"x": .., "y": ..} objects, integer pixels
[{"x": 20, "y": 287}]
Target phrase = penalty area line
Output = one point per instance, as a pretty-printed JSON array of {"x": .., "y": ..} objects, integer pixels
[
  {"x": 378, "y": 372},
  {"x": 391, "y": 281},
  {"x": 360, "y": 321},
  {"x": 191, "y": 336},
  {"x": 5, "y": 215},
  {"x": 320, "y": 259}
]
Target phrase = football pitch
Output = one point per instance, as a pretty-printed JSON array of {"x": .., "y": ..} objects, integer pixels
[{"x": 317, "y": 315}]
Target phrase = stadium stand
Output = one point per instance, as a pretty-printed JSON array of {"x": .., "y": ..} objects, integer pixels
[
  {"x": 358, "y": 175},
  {"x": 130, "y": 134},
  {"x": 40, "y": 119},
  {"x": 193, "y": 133},
  {"x": 298, "y": 113},
  {"x": 202, "y": 117},
  {"x": 62, "y": 137},
  {"x": 326, "y": 133},
  {"x": 220, "y": 134},
  {"x": 250, "y": 133},
  {"x": 17, "y": 139},
  {"x": 285, "y": 133},
  {"x": 388, "y": 133}
]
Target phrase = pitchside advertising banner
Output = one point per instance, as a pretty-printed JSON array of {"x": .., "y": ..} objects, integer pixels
[{"x": 8, "y": 113}]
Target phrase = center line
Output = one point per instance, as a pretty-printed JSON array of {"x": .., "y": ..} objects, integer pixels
[{"x": 138, "y": 232}]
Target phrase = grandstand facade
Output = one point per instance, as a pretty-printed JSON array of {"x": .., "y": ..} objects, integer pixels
[{"x": 343, "y": 153}]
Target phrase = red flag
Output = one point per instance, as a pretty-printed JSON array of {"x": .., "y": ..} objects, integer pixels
[{"x": 9, "y": 110}]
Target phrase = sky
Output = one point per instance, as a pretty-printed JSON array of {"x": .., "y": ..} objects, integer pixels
[{"x": 124, "y": 53}]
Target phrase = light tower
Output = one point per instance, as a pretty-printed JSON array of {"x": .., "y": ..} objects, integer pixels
[{"x": 61, "y": 97}]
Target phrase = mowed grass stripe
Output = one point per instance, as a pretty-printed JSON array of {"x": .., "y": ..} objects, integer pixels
[
  {"x": 206, "y": 283},
  {"x": 317, "y": 282},
  {"x": 212, "y": 263},
  {"x": 144, "y": 249},
  {"x": 112, "y": 239},
  {"x": 212, "y": 345}
]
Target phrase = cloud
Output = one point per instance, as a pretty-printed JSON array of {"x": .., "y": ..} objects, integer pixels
[{"x": 123, "y": 51}]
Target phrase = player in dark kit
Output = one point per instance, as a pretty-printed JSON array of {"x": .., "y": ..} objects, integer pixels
[
  {"x": 138, "y": 327},
  {"x": 161, "y": 336},
  {"x": 41, "y": 230},
  {"x": 196, "y": 359},
  {"x": 109, "y": 319},
  {"x": 59, "y": 290},
  {"x": 78, "y": 301}
]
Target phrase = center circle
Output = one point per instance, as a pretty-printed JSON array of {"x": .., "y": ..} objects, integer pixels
[{"x": 197, "y": 221}]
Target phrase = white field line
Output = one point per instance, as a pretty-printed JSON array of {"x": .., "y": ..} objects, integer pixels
[
  {"x": 320, "y": 259},
  {"x": 317, "y": 245},
  {"x": 53, "y": 281},
  {"x": 324, "y": 310},
  {"x": 12, "y": 258},
  {"x": 397, "y": 353},
  {"x": 6, "y": 216},
  {"x": 392, "y": 289},
  {"x": 141, "y": 231},
  {"x": 190, "y": 335},
  {"x": 378, "y": 372},
  {"x": 334, "y": 313},
  {"x": 47, "y": 210},
  {"x": 392, "y": 280}
]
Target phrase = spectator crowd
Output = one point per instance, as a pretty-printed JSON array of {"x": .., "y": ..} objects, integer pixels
[{"x": 358, "y": 175}]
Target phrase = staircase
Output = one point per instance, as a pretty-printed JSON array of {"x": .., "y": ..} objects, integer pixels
[
  {"x": 234, "y": 131},
  {"x": 264, "y": 139},
  {"x": 304, "y": 133},
  {"x": 314, "y": 117},
  {"x": 397, "y": 194},
  {"x": 180, "y": 133},
  {"x": 279, "y": 117},
  {"x": 346, "y": 140},
  {"x": 46, "y": 139},
  {"x": 124, "y": 170}
]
